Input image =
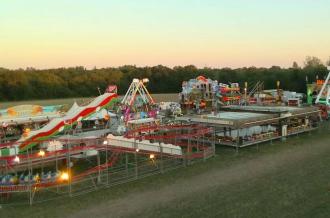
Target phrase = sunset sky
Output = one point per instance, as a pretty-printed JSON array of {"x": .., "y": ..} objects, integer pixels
[{"x": 205, "y": 33}]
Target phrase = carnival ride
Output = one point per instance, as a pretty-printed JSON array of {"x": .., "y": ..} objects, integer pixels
[
  {"x": 22, "y": 114},
  {"x": 35, "y": 171},
  {"x": 203, "y": 93},
  {"x": 229, "y": 94},
  {"x": 258, "y": 95},
  {"x": 323, "y": 96},
  {"x": 198, "y": 93},
  {"x": 58, "y": 125},
  {"x": 51, "y": 158},
  {"x": 73, "y": 116},
  {"x": 137, "y": 103},
  {"x": 14, "y": 120},
  {"x": 318, "y": 94}
]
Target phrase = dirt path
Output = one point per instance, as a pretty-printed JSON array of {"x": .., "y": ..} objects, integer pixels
[{"x": 138, "y": 201}]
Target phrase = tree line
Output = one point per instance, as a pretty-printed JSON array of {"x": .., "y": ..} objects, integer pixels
[{"x": 30, "y": 83}]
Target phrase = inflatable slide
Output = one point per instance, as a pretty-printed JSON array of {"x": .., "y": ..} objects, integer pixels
[{"x": 58, "y": 125}]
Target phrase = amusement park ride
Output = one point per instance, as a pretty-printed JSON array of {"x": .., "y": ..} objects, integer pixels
[
  {"x": 137, "y": 103},
  {"x": 202, "y": 94},
  {"x": 323, "y": 97},
  {"x": 50, "y": 158}
]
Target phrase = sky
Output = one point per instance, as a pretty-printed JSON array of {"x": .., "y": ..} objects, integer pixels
[{"x": 205, "y": 33}]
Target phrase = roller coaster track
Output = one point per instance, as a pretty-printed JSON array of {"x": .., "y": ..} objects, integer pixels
[{"x": 194, "y": 130}]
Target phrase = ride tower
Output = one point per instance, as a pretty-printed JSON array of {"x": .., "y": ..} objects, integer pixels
[{"x": 138, "y": 107}]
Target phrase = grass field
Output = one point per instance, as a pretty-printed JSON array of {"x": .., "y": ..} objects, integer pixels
[
  {"x": 283, "y": 179},
  {"x": 69, "y": 101}
]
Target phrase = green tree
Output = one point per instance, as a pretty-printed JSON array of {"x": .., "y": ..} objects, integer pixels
[
  {"x": 30, "y": 83},
  {"x": 328, "y": 62},
  {"x": 312, "y": 61},
  {"x": 295, "y": 65}
]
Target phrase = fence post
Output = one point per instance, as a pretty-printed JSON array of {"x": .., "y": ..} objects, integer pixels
[
  {"x": 106, "y": 161},
  {"x": 30, "y": 178},
  {"x": 237, "y": 141},
  {"x": 188, "y": 148},
  {"x": 136, "y": 165},
  {"x": 135, "y": 159},
  {"x": 68, "y": 165},
  {"x": 161, "y": 158},
  {"x": 99, "y": 167},
  {"x": 213, "y": 142}
]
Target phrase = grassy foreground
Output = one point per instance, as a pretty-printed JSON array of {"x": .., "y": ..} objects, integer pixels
[{"x": 260, "y": 183}]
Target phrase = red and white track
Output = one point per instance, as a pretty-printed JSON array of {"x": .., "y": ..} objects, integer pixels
[{"x": 181, "y": 134}]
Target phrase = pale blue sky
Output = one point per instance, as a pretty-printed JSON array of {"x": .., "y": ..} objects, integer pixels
[{"x": 43, "y": 34}]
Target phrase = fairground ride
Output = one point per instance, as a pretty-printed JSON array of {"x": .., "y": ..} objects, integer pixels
[
  {"x": 58, "y": 125},
  {"x": 78, "y": 166},
  {"x": 137, "y": 103},
  {"x": 203, "y": 93},
  {"x": 45, "y": 163},
  {"x": 323, "y": 97}
]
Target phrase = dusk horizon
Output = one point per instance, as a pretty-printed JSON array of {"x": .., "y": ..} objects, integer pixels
[{"x": 214, "y": 34}]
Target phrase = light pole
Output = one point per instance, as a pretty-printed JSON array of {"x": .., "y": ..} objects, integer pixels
[{"x": 42, "y": 154}]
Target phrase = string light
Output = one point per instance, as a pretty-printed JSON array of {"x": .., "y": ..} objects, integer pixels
[
  {"x": 16, "y": 159},
  {"x": 41, "y": 153},
  {"x": 64, "y": 176}
]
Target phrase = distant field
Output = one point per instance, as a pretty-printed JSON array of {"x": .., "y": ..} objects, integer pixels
[{"x": 69, "y": 101}]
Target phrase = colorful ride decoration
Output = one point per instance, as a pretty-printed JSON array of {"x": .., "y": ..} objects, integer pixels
[
  {"x": 257, "y": 95},
  {"x": 111, "y": 89},
  {"x": 323, "y": 96},
  {"x": 26, "y": 179},
  {"x": 319, "y": 94},
  {"x": 11, "y": 112},
  {"x": 58, "y": 125},
  {"x": 137, "y": 102},
  {"x": 202, "y": 92},
  {"x": 198, "y": 93},
  {"x": 229, "y": 94},
  {"x": 16, "y": 120},
  {"x": 29, "y": 111},
  {"x": 313, "y": 91}
]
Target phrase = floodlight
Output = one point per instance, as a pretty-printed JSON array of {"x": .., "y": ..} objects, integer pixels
[
  {"x": 41, "y": 153},
  {"x": 16, "y": 159},
  {"x": 64, "y": 176},
  {"x": 145, "y": 80}
]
